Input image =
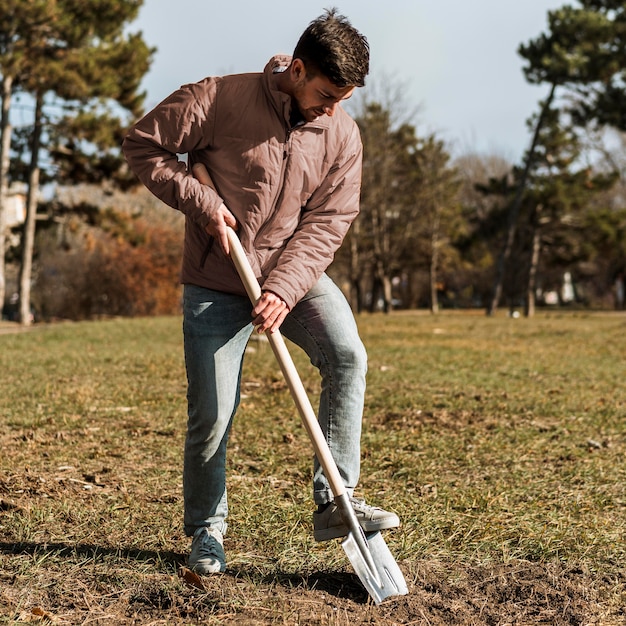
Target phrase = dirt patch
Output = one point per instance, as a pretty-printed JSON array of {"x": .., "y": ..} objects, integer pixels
[{"x": 82, "y": 584}]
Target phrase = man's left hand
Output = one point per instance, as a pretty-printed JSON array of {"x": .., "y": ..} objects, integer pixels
[{"x": 269, "y": 312}]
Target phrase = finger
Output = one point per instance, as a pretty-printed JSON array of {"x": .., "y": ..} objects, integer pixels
[
  {"x": 230, "y": 220},
  {"x": 266, "y": 300},
  {"x": 268, "y": 325},
  {"x": 263, "y": 322},
  {"x": 266, "y": 316},
  {"x": 223, "y": 239},
  {"x": 279, "y": 320},
  {"x": 273, "y": 318}
]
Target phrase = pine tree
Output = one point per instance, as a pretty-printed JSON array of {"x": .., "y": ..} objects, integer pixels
[
  {"x": 79, "y": 56},
  {"x": 583, "y": 59},
  {"x": 22, "y": 26}
]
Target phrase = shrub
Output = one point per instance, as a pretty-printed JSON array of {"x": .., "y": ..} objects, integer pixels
[{"x": 129, "y": 270}]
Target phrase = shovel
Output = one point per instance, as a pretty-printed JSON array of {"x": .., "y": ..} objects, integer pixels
[{"x": 370, "y": 557}]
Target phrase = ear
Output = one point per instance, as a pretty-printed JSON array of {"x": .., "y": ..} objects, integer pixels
[{"x": 297, "y": 69}]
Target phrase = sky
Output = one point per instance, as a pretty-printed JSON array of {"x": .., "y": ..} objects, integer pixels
[{"x": 454, "y": 62}]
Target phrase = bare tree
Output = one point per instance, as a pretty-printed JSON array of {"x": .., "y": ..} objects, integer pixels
[
  {"x": 5, "y": 147},
  {"x": 28, "y": 238}
]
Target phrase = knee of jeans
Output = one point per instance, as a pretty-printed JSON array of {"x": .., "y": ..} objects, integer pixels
[
  {"x": 352, "y": 356},
  {"x": 207, "y": 427}
]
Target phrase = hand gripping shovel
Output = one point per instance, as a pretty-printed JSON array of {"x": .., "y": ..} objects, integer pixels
[{"x": 370, "y": 557}]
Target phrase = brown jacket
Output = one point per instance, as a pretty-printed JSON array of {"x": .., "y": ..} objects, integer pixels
[{"x": 294, "y": 192}]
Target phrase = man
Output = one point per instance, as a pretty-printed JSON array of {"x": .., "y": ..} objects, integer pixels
[{"x": 285, "y": 160}]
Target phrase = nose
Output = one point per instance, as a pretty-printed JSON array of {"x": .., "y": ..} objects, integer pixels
[{"x": 330, "y": 109}]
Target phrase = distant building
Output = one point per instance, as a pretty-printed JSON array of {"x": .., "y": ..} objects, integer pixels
[
  {"x": 567, "y": 290},
  {"x": 15, "y": 205}
]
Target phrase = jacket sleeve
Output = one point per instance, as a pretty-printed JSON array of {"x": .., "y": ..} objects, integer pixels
[
  {"x": 324, "y": 223},
  {"x": 182, "y": 123}
]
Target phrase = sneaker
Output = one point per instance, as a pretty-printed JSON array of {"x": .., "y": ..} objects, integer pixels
[
  {"x": 207, "y": 551},
  {"x": 328, "y": 524}
]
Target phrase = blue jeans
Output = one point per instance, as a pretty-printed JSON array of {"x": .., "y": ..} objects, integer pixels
[{"x": 216, "y": 328}]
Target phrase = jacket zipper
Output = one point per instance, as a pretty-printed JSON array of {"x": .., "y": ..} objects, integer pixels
[
  {"x": 281, "y": 186},
  {"x": 286, "y": 151}
]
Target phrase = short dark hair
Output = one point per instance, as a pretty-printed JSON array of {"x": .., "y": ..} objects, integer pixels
[{"x": 333, "y": 47}]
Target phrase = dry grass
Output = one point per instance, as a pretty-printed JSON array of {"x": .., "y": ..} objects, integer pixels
[{"x": 500, "y": 443}]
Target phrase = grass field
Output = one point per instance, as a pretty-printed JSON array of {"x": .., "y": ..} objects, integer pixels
[{"x": 500, "y": 443}]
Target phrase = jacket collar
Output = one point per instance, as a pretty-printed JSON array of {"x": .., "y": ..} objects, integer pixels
[{"x": 281, "y": 101}]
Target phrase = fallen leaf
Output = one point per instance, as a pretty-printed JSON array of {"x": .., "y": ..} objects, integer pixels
[
  {"x": 39, "y": 612},
  {"x": 191, "y": 578}
]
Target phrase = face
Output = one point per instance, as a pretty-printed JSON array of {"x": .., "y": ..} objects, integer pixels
[{"x": 316, "y": 95}]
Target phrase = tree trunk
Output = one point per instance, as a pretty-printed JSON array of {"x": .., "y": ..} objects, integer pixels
[
  {"x": 28, "y": 238},
  {"x": 356, "y": 301},
  {"x": 387, "y": 296},
  {"x": 515, "y": 207},
  {"x": 531, "y": 287},
  {"x": 5, "y": 145},
  {"x": 434, "y": 263},
  {"x": 382, "y": 280},
  {"x": 381, "y": 289},
  {"x": 374, "y": 293},
  {"x": 356, "y": 295}
]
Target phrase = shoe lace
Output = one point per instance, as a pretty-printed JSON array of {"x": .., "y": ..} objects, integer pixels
[{"x": 361, "y": 505}]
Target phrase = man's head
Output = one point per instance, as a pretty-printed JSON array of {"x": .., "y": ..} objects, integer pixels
[
  {"x": 331, "y": 46},
  {"x": 331, "y": 59}
]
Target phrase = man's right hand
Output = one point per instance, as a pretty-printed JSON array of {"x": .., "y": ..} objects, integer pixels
[{"x": 218, "y": 223}]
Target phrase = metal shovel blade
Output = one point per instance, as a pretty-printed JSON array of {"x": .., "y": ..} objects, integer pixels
[{"x": 386, "y": 580}]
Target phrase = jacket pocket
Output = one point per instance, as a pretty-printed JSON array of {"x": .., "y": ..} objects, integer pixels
[{"x": 207, "y": 251}]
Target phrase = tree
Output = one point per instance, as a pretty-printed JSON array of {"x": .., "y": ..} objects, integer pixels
[
  {"x": 583, "y": 53},
  {"x": 559, "y": 194},
  {"x": 482, "y": 215},
  {"x": 372, "y": 241},
  {"x": 82, "y": 58},
  {"x": 516, "y": 205},
  {"x": 605, "y": 223},
  {"x": 5, "y": 147},
  {"x": 435, "y": 186},
  {"x": 28, "y": 237},
  {"x": 21, "y": 28},
  {"x": 371, "y": 248},
  {"x": 408, "y": 197}
]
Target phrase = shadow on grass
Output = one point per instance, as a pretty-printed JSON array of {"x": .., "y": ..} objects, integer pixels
[
  {"x": 344, "y": 585},
  {"x": 64, "y": 550}
]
